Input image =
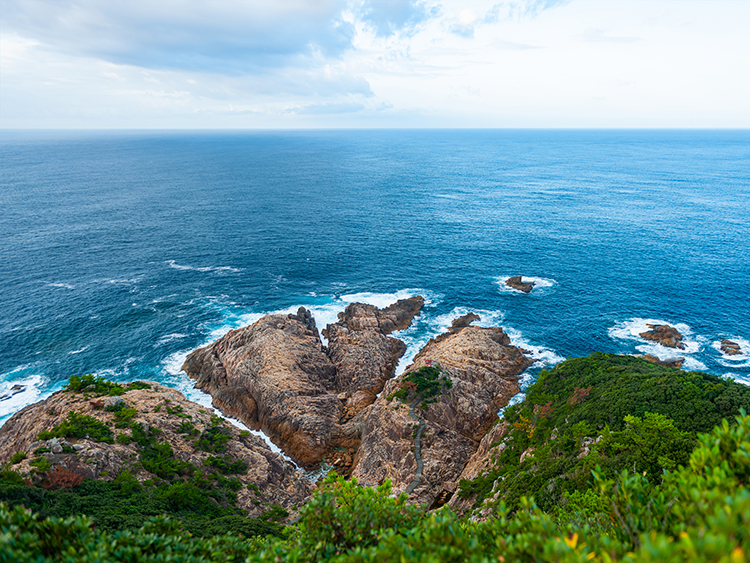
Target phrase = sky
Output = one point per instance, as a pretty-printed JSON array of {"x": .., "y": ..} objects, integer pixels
[{"x": 374, "y": 63}]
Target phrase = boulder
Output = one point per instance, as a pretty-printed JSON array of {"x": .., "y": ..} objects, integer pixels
[
  {"x": 665, "y": 335},
  {"x": 463, "y": 322},
  {"x": 730, "y": 348},
  {"x": 673, "y": 363},
  {"x": 516, "y": 282}
]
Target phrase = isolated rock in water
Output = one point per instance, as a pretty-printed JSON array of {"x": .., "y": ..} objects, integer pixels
[
  {"x": 665, "y": 335},
  {"x": 276, "y": 480},
  {"x": 483, "y": 368},
  {"x": 276, "y": 376},
  {"x": 517, "y": 283},
  {"x": 463, "y": 322},
  {"x": 673, "y": 363},
  {"x": 15, "y": 390},
  {"x": 364, "y": 356},
  {"x": 730, "y": 348}
]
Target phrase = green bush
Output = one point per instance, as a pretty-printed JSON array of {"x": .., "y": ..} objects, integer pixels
[
  {"x": 79, "y": 426},
  {"x": 17, "y": 457},
  {"x": 426, "y": 382},
  {"x": 90, "y": 383}
]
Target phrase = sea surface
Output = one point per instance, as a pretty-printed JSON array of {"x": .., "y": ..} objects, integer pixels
[{"x": 120, "y": 252}]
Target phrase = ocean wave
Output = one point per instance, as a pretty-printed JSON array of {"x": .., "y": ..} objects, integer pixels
[
  {"x": 79, "y": 350},
  {"x": 60, "y": 284},
  {"x": 630, "y": 331},
  {"x": 176, "y": 266},
  {"x": 741, "y": 360},
  {"x": 541, "y": 284},
  {"x": 31, "y": 384},
  {"x": 169, "y": 338}
]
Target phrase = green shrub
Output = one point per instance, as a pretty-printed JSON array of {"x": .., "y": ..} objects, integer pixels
[
  {"x": 79, "y": 426},
  {"x": 123, "y": 438},
  {"x": 17, "y": 457},
  {"x": 138, "y": 385},
  {"x": 426, "y": 382},
  {"x": 90, "y": 383},
  {"x": 41, "y": 464},
  {"x": 226, "y": 465}
]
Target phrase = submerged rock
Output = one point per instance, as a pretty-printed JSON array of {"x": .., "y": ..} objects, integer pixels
[
  {"x": 516, "y": 282},
  {"x": 665, "y": 335}
]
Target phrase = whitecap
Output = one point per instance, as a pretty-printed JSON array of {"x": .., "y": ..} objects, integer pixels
[
  {"x": 176, "y": 266},
  {"x": 169, "y": 338},
  {"x": 541, "y": 355},
  {"x": 541, "y": 285},
  {"x": 61, "y": 284},
  {"x": 31, "y": 382},
  {"x": 79, "y": 350}
]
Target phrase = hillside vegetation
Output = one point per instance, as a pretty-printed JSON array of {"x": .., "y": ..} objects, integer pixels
[{"x": 626, "y": 461}]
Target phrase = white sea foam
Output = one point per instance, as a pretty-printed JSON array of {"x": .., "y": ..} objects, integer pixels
[
  {"x": 542, "y": 356},
  {"x": 169, "y": 338},
  {"x": 631, "y": 329},
  {"x": 61, "y": 284},
  {"x": 176, "y": 266},
  {"x": 32, "y": 383},
  {"x": 79, "y": 351},
  {"x": 541, "y": 285},
  {"x": 737, "y": 361}
]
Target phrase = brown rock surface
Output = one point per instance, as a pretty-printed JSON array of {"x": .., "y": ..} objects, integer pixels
[
  {"x": 463, "y": 322},
  {"x": 276, "y": 479},
  {"x": 364, "y": 356},
  {"x": 483, "y": 368},
  {"x": 516, "y": 282},
  {"x": 665, "y": 335},
  {"x": 674, "y": 363},
  {"x": 730, "y": 348},
  {"x": 275, "y": 375}
]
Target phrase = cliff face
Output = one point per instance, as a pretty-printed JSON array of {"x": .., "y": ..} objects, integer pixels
[
  {"x": 483, "y": 368},
  {"x": 276, "y": 374},
  {"x": 165, "y": 413}
]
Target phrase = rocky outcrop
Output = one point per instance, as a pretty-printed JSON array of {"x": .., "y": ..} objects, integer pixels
[
  {"x": 364, "y": 356},
  {"x": 463, "y": 322},
  {"x": 730, "y": 348},
  {"x": 274, "y": 375},
  {"x": 673, "y": 363},
  {"x": 480, "y": 462},
  {"x": 483, "y": 368},
  {"x": 276, "y": 480},
  {"x": 665, "y": 335},
  {"x": 516, "y": 282},
  {"x": 278, "y": 376}
]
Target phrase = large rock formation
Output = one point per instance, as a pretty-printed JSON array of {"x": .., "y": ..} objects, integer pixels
[
  {"x": 276, "y": 374},
  {"x": 364, "y": 356},
  {"x": 665, "y": 335},
  {"x": 483, "y": 368},
  {"x": 516, "y": 282},
  {"x": 276, "y": 480},
  {"x": 730, "y": 348}
]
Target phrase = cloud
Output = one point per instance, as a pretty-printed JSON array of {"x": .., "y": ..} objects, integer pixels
[
  {"x": 595, "y": 35},
  {"x": 520, "y": 9},
  {"x": 388, "y": 17},
  {"x": 327, "y": 108},
  {"x": 222, "y": 36}
]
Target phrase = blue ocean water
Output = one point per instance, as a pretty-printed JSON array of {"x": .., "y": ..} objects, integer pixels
[{"x": 123, "y": 251}]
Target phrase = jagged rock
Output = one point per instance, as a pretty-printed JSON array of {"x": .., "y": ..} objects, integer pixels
[
  {"x": 463, "y": 322},
  {"x": 15, "y": 390},
  {"x": 398, "y": 316},
  {"x": 665, "y": 335},
  {"x": 483, "y": 368},
  {"x": 277, "y": 480},
  {"x": 516, "y": 282},
  {"x": 673, "y": 363},
  {"x": 480, "y": 462},
  {"x": 275, "y": 375},
  {"x": 730, "y": 348},
  {"x": 113, "y": 401}
]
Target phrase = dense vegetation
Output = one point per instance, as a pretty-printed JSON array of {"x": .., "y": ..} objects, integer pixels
[
  {"x": 426, "y": 383},
  {"x": 648, "y": 488},
  {"x": 615, "y": 412}
]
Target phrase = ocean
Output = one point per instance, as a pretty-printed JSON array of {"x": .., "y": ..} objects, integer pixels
[{"x": 122, "y": 251}]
